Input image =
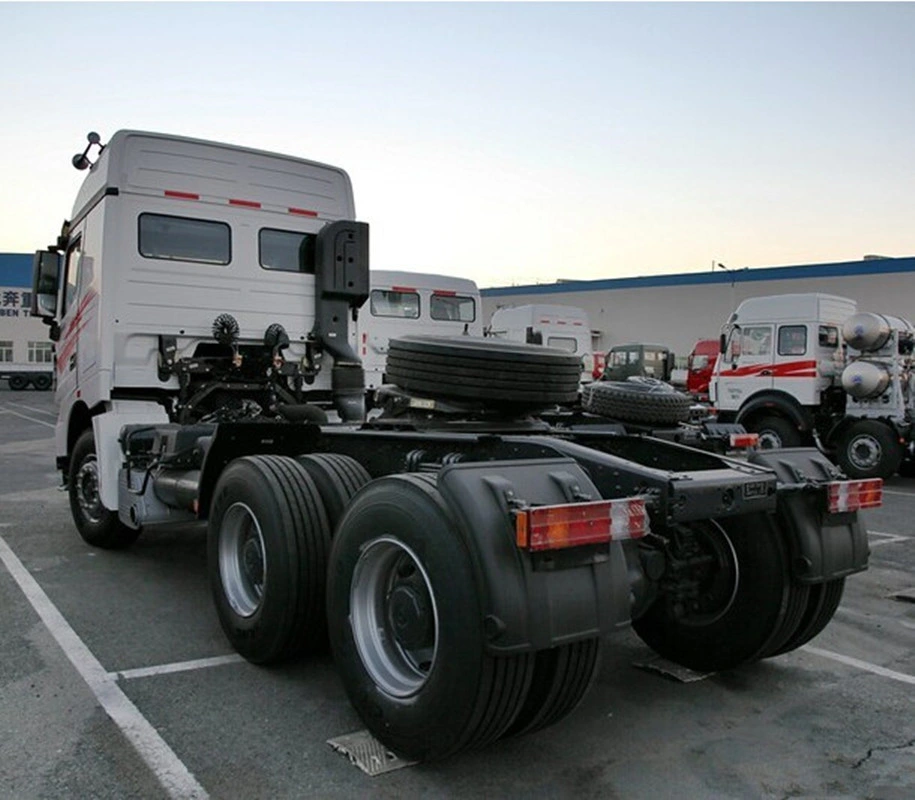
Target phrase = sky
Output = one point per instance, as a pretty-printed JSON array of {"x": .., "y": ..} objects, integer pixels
[{"x": 510, "y": 143}]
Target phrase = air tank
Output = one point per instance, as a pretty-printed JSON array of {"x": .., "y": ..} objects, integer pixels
[
  {"x": 867, "y": 331},
  {"x": 865, "y": 379}
]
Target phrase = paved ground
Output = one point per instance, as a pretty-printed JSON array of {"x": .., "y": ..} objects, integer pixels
[{"x": 116, "y": 682}]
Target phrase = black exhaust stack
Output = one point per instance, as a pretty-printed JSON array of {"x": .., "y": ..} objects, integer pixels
[{"x": 341, "y": 287}]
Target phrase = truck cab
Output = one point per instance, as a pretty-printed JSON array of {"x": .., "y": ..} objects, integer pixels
[
  {"x": 639, "y": 359},
  {"x": 700, "y": 365},
  {"x": 779, "y": 364}
]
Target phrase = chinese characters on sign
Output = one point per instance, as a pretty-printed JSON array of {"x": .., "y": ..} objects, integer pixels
[{"x": 14, "y": 302}]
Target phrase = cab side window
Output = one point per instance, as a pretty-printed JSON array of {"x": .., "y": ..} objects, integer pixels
[
  {"x": 71, "y": 281},
  {"x": 792, "y": 340},
  {"x": 756, "y": 340}
]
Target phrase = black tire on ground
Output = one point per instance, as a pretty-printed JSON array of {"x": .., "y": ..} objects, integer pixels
[
  {"x": 98, "y": 526},
  {"x": 42, "y": 382},
  {"x": 562, "y": 677},
  {"x": 869, "y": 449},
  {"x": 642, "y": 400},
  {"x": 18, "y": 383},
  {"x": 407, "y": 629},
  {"x": 774, "y": 432},
  {"x": 267, "y": 546},
  {"x": 747, "y": 603},
  {"x": 823, "y": 600},
  {"x": 338, "y": 478},
  {"x": 490, "y": 370}
]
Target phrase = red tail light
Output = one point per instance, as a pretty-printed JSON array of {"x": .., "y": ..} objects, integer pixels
[
  {"x": 854, "y": 495},
  {"x": 742, "y": 441},
  {"x": 576, "y": 524}
]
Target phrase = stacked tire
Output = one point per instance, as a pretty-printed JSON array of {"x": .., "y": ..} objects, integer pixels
[{"x": 497, "y": 373}]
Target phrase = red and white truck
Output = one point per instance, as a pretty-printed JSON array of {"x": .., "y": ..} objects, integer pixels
[
  {"x": 700, "y": 365},
  {"x": 465, "y": 560},
  {"x": 809, "y": 368}
]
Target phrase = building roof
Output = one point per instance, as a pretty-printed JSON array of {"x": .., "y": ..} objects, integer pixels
[
  {"x": 875, "y": 266},
  {"x": 16, "y": 269}
]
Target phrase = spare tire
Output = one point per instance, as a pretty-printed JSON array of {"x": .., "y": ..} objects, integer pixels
[
  {"x": 494, "y": 371},
  {"x": 645, "y": 400}
]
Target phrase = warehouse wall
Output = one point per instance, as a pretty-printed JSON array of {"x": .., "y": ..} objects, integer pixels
[{"x": 677, "y": 310}]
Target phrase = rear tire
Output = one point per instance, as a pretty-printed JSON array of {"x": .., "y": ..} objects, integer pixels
[
  {"x": 406, "y": 625},
  {"x": 98, "y": 526},
  {"x": 746, "y": 606},
  {"x": 18, "y": 383},
  {"x": 337, "y": 478},
  {"x": 562, "y": 677},
  {"x": 267, "y": 546},
  {"x": 823, "y": 600},
  {"x": 869, "y": 449},
  {"x": 42, "y": 382}
]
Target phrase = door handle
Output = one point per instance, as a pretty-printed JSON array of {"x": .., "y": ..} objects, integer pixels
[{"x": 72, "y": 362}]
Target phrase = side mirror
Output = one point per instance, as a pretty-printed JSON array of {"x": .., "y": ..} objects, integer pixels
[{"x": 45, "y": 283}]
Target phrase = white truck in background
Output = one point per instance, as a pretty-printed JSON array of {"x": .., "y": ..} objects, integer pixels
[
  {"x": 802, "y": 368},
  {"x": 411, "y": 303},
  {"x": 561, "y": 327}
]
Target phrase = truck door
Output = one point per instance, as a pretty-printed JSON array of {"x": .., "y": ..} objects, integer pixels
[
  {"x": 67, "y": 357},
  {"x": 748, "y": 366}
]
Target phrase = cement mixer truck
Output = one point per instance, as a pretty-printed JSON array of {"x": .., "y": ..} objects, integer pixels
[{"x": 810, "y": 368}]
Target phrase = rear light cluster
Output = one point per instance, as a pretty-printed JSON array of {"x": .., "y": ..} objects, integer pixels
[
  {"x": 742, "y": 441},
  {"x": 576, "y": 524},
  {"x": 854, "y": 495}
]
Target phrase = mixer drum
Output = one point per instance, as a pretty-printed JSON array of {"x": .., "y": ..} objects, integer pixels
[
  {"x": 864, "y": 379},
  {"x": 867, "y": 331}
]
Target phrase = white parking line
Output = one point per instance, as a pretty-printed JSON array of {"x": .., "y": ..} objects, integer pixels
[
  {"x": 854, "y": 662},
  {"x": 178, "y": 666},
  {"x": 903, "y": 494},
  {"x": 51, "y": 413},
  {"x": 26, "y": 416},
  {"x": 169, "y": 770},
  {"x": 888, "y": 538}
]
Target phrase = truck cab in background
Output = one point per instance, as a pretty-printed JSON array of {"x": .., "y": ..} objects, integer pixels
[
  {"x": 700, "y": 365},
  {"x": 410, "y": 303},
  {"x": 639, "y": 360},
  {"x": 803, "y": 368},
  {"x": 561, "y": 327}
]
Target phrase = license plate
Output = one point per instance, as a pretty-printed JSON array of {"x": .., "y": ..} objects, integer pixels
[{"x": 755, "y": 489}]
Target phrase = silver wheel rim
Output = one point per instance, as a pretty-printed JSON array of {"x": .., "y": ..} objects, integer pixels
[
  {"x": 393, "y": 616},
  {"x": 87, "y": 493},
  {"x": 242, "y": 560},
  {"x": 769, "y": 440},
  {"x": 864, "y": 451},
  {"x": 720, "y": 592}
]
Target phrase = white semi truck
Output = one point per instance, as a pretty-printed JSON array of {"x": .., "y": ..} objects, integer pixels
[
  {"x": 465, "y": 559},
  {"x": 803, "y": 368}
]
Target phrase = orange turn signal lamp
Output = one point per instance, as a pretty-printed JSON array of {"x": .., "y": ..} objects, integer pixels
[
  {"x": 575, "y": 524},
  {"x": 854, "y": 495}
]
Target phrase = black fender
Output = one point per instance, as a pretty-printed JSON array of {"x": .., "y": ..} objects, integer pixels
[
  {"x": 772, "y": 401},
  {"x": 823, "y": 546},
  {"x": 532, "y": 602}
]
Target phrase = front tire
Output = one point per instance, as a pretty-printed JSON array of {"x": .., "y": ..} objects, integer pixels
[
  {"x": 267, "y": 546},
  {"x": 774, "y": 433},
  {"x": 869, "y": 449},
  {"x": 98, "y": 526},
  {"x": 407, "y": 627},
  {"x": 18, "y": 383}
]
